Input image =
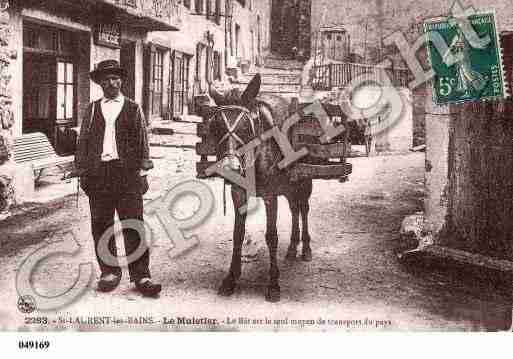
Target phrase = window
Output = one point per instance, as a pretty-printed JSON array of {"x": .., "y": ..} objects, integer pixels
[
  {"x": 214, "y": 10},
  {"x": 178, "y": 83},
  {"x": 199, "y": 6},
  {"x": 200, "y": 79},
  {"x": 217, "y": 65},
  {"x": 242, "y": 2},
  {"x": 209, "y": 65},
  {"x": 218, "y": 12},
  {"x": 157, "y": 83},
  {"x": 50, "y": 40},
  {"x": 187, "y": 3},
  {"x": 252, "y": 39},
  {"x": 65, "y": 90},
  {"x": 210, "y": 9},
  {"x": 259, "y": 37},
  {"x": 237, "y": 40}
]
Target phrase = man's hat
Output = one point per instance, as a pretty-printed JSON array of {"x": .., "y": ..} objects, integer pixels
[{"x": 107, "y": 67}]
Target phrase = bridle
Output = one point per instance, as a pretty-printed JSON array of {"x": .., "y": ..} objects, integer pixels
[
  {"x": 231, "y": 133},
  {"x": 232, "y": 137}
]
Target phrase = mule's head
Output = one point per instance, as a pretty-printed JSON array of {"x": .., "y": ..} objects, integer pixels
[{"x": 232, "y": 124}]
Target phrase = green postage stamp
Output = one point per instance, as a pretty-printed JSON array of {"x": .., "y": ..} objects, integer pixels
[{"x": 466, "y": 57}]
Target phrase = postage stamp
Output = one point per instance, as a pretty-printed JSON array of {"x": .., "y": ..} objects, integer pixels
[{"x": 465, "y": 55}]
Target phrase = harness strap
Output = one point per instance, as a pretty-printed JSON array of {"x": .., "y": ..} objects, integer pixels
[{"x": 232, "y": 128}]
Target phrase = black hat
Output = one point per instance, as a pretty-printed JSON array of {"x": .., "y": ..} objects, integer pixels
[{"x": 107, "y": 67}]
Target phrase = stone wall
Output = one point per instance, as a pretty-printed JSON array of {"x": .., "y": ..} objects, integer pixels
[
  {"x": 469, "y": 161},
  {"x": 6, "y": 115},
  {"x": 480, "y": 200},
  {"x": 438, "y": 120},
  {"x": 367, "y": 21}
]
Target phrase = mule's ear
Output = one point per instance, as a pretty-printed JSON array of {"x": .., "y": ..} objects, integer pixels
[
  {"x": 252, "y": 90},
  {"x": 216, "y": 95}
]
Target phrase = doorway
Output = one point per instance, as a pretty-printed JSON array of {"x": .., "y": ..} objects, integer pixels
[
  {"x": 49, "y": 84},
  {"x": 178, "y": 84},
  {"x": 285, "y": 27}
]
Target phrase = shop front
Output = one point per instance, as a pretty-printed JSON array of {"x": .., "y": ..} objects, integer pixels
[
  {"x": 50, "y": 82},
  {"x": 57, "y": 47}
]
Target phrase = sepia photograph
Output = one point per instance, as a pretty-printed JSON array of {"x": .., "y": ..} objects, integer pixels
[{"x": 289, "y": 166}]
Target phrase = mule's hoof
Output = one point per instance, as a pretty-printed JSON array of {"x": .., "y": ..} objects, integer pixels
[
  {"x": 306, "y": 256},
  {"x": 227, "y": 288},
  {"x": 291, "y": 255},
  {"x": 273, "y": 294}
]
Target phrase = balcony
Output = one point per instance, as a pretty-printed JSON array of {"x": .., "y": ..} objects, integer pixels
[
  {"x": 147, "y": 15},
  {"x": 152, "y": 15}
]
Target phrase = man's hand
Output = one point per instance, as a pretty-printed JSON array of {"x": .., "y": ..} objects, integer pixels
[{"x": 143, "y": 173}]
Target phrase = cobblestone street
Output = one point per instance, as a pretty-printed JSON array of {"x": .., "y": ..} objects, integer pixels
[{"x": 355, "y": 274}]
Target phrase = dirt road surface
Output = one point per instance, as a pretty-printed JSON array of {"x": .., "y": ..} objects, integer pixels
[{"x": 355, "y": 281}]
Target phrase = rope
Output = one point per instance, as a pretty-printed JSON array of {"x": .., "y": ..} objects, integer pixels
[{"x": 224, "y": 197}]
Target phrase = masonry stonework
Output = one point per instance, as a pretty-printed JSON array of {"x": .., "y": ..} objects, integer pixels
[{"x": 7, "y": 170}]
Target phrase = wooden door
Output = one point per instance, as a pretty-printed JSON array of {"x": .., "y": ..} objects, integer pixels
[
  {"x": 177, "y": 85},
  {"x": 39, "y": 78}
]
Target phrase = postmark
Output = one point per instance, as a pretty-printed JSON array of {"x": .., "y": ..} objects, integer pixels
[
  {"x": 26, "y": 304},
  {"x": 465, "y": 55}
]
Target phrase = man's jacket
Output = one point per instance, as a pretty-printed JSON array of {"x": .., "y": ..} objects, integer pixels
[{"x": 131, "y": 143}]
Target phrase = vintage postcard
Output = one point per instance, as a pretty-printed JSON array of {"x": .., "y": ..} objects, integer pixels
[{"x": 255, "y": 166}]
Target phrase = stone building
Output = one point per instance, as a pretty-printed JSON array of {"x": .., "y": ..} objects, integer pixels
[
  {"x": 48, "y": 50},
  {"x": 216, "y": 37},
  {"x": 469, "y": 155},
  {"x": 172, "y": 49},
  {"x": 59, "y": 42}
]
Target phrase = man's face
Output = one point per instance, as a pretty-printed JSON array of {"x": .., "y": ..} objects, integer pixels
[{"x": 111, "y": 85}]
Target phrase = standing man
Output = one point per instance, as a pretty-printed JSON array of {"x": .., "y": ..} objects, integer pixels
[{"x": 112, "y": 161}]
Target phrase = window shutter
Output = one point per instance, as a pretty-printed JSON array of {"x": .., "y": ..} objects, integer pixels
[
  {"x": 199, "y": 6},
  {"x": 149, "y": 60},
  {"x": 218, "y": 12}
]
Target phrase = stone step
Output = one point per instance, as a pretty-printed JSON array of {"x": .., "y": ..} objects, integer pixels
[
  {"x": 275, "y": 88},
  {"x": 173, "y": 127},
  {"x": 285, "y": 64},
  {"x": 176, "y": 140},
  {"x": 273, "y": 78},
  {"x": 272, "y": 71},
  {"x": 282, "y": 94}
]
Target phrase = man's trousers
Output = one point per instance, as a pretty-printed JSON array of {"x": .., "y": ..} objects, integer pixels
[{"x": 129, "y": 206}]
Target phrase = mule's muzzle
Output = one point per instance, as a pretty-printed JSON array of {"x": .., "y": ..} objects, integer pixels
[{"x": 231, "y": 162}]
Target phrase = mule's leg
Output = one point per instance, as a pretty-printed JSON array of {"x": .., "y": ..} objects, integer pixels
[
  {"x": 294, "y": 237},
  {"x": 271, "y": 238},
  {"x": 230, "y": 282},
  {"x": 304, "y": 208}
]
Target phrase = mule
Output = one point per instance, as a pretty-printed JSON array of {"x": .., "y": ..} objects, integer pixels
[{"x": 239, "y": 119}]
